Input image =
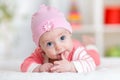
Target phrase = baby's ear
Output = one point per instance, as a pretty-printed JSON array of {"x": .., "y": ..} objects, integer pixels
[{"x": 40, "y": 49}]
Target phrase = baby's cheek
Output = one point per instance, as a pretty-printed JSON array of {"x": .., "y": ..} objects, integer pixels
[{"x": 70, "y": 46}]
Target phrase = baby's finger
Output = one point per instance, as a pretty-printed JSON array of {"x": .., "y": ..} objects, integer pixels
[
  {"x": 63, "y": 57},
  {"x": 56, "y": 63},
  {"x": 58, "y": 71},
  {"x": 50, "y": 64},
  {"x": 54, "y": 68}
]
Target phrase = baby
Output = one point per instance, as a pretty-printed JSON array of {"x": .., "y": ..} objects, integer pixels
[{"x": 56, "y": 51}]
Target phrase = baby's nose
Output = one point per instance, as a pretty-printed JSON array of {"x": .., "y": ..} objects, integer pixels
[{"x": 58, "y": 47}]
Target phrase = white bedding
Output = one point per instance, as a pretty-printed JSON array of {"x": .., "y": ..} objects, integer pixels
[{"x": 108, "y": 70}]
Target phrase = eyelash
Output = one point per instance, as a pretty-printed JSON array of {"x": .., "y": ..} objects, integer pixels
[
  {"x": 49, "y": 44},
  {"x": 62, "y": 37}
]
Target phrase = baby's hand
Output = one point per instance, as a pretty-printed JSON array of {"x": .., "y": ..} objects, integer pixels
[
  {"x": 63, "y": 66},
  {"x": 43, "y": 68}
]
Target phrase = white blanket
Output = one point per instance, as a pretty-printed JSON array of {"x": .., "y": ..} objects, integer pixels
[{"x": 108, "y": 70}]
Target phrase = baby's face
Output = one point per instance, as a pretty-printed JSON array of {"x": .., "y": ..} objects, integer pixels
[{"x": 56, "y": 42}]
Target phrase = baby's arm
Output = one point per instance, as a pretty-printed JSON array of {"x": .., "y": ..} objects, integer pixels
[
  {"x": 34, "y": 63},
  {"x": 82, "y": 61}
]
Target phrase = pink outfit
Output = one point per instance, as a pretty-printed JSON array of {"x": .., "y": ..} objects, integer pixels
[
  {"x": 84, "y": 61},
  {"x": 46, "y": 19}
]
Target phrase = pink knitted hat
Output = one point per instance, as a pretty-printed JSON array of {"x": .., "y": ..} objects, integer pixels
[{"x": 45, "y": 19}]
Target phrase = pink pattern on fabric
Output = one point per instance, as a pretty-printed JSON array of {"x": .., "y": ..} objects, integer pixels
[{"x": 48, "y": 26}]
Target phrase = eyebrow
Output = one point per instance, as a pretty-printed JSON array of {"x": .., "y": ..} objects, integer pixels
[
  {"x": 64, "y": 32},
  {"x": 61, "y": 33}
]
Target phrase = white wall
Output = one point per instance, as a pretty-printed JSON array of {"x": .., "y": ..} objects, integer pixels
[{"x": 16, "y": 40}]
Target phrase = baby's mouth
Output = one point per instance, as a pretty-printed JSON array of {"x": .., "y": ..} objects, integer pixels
[{"x": 59, "y": 57}]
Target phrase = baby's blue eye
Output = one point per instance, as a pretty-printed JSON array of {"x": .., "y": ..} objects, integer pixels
[
  {"x": 49, "y": 44},
  {"x": 62, "y": 38}
]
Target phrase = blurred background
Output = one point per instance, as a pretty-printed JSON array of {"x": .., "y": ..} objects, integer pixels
[{"x": 99, "y": 19}]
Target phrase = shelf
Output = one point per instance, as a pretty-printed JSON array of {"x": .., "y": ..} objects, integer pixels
[
  {"x": 84, "y": 29},
  {"x": 114, "y": 28}
]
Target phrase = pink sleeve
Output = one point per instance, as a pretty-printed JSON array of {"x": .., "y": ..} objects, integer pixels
[
  {"x": 35, "y": 58},
  {"x": 91, "y": 50},
  {"x": 94, "y": 53},
  {"x": 82, "y": 61},
  {"x": 85, "y": 60}
]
